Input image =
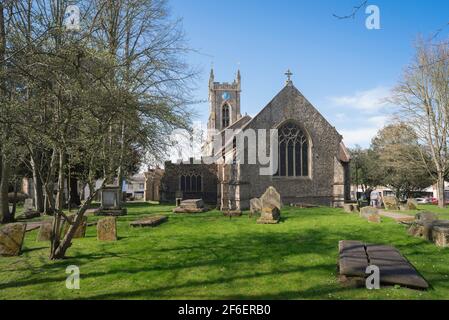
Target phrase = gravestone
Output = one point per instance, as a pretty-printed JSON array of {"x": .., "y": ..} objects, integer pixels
[
  {"x": 395, "y": 269},
  {"x": 270, "y": 215},
  {"x": 28, "y": 205},
  {"x": 111, "y": 204},
  {"x": 28, "y": 210},
  {"x": 426, "y": 216},
  {"x": 351, "y": 207},
  {"x": 271, "y": 198},
  {"x": 80, "y": 231},
  {"x": 11, "y": 239},
  {"x": 149, "y": 221},
  {"x": 255, "y": 206},
  {"x": 411, "y": 204},
  {"x": 107, "y": 229},
  {"x": 391, "y": 203},
  {"x": 45, "y": 231},
  {"x": 191, "y": 206},
  {"x": 371, "y": 214},
  {"x": 440, "y": 235},
  {"x": 367, "y": 211}
]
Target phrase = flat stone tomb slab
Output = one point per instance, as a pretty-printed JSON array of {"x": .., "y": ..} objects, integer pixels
[
  {"x": 394, "y": 268},
  {"x": 149, "y": 221},
  {"x": 191, "y": 206},
  {"x": 353, "y": 259}
]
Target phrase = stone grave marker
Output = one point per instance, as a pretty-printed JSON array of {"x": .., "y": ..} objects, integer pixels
[
  {"x": 44, "y": 233},
  {"x": 191, "y": 206},
  {"x": 270, "y": 215},
  {"x": 149, "y": 221},
  {"x": 107, "y": 229},
  {"x": 271, "y": 198},
  {"x": 391, "y": 203},
  {"x": 11, "y": 239}
]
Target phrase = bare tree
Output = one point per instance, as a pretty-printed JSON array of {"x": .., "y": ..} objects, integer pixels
[{"x": 423, "y": 98}]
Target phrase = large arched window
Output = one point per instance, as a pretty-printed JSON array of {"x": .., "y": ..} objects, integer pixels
[
  {"x": 293, "y": 152},
  {"x": 225, "y": 115},
  {"x": 191, "y": 183}
]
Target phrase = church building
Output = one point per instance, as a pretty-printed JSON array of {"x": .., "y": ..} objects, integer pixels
[{"x": 313, "y": 163}]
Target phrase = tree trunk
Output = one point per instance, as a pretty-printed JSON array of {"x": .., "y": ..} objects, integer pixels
[
  {"x": 4, "y": 186},
  {"x": 38, "y": 189},
  {"x": 59, "y": 248},
  {"x": 61, "y": 182},
  {"x": 440, "y": 186}
]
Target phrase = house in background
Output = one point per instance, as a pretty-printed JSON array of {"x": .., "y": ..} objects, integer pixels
[{"x": 134, "y": 187}]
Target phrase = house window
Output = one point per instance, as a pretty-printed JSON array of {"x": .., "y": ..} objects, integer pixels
[
  {"x": 225, "y": 116},
  {"x": 191, "y": 183},
  {"x": 293, "y": 152}
]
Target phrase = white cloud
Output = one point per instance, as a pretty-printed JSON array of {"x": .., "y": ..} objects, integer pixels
[
  {"x": 372, "y": 100},
  {"x": 361, "y": 137}
]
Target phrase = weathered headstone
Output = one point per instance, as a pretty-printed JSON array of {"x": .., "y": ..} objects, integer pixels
[
  {"x": 440, "y": 235},
  {"x": 426, "y": 216},
  {"x": 28, "y": 205},
  {"x": 411, "y": 204},
  {"x": 107, "y": 229},
  {"x": 271, "y": 198},
  {"x": 45, "y": 231},
  {"x": 11, "y": 239},
  {"x": 255, "y": 206},
  {"x": 351, "y": 207},
  {"x": 270, "y": 215},
  {"x": 391, "y": 203},
  {"x": 80, "y": 231},
  {"x": 371, "y": 214},
  {"x": 368, "y": 210}
]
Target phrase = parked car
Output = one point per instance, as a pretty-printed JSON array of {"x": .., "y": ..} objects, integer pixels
[
  {"x": 423, "y": 200},
  {"x": 435, "y": 201}
]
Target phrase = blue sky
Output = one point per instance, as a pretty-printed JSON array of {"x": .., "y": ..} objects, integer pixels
[{"x": 343, "y": 68}]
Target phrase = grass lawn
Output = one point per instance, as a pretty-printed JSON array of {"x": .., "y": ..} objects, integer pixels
[{"x": 208, "y": 256}]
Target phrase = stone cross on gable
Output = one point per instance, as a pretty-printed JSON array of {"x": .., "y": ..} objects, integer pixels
[{"x": 289, "y": 77}]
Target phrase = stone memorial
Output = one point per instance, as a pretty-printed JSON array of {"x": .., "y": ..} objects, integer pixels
[
  {"x": 28, "y": 210},
  {"x": 191, "y": 206},
  {"x": 440, "y": 235},
  {"x": 45, "y": 230},
  {"x": 255, "y": 206},
  {"x": 149, "y": 221},
  {"x": 11, "y": 239},
  {"x": 411, "y": 204},
  {"x": 391, "y": 203},
  {"x": 351, "y": 207},
  {"x": 371, "y": 214},
  {"x": 111, "y": 204},
  {"x": 269, "y": 215},
  {"x": 395, "y": 269},
  {"x": 271, "y": 198},
  {"x": 426, "y": 216},
  {"x": 107, "y": 229},
  {"x": 80, "y": 231}
]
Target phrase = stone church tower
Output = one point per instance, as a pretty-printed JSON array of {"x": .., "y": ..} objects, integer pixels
[{"x": 224, "y": 102}]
